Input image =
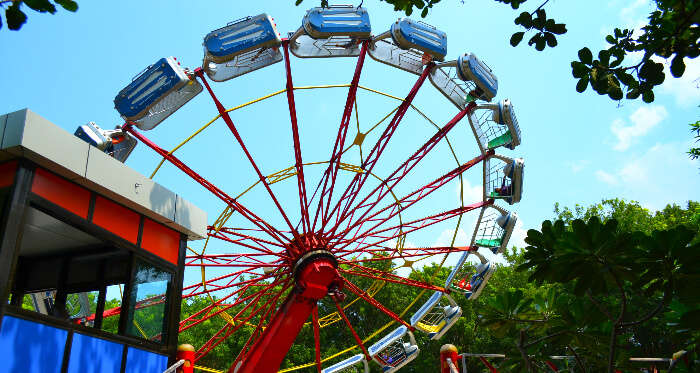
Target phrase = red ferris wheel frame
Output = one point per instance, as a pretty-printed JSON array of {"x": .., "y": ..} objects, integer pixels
[{"x": 308, "y": 259}]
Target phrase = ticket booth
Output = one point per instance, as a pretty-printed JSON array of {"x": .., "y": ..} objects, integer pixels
[{"x": 91, "y": 256}]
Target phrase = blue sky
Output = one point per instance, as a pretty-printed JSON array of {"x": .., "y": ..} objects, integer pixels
[{"x": 578, "y": 148}]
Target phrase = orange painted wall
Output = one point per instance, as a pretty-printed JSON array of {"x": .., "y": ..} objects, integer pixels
[
  {"x": 61, "y": 192},
  {"x": 116, "y": 219},
  {"x": 160, "y": 240}
]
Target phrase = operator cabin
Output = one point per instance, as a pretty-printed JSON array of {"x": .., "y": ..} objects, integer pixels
[{"x": 91, "y": 256}]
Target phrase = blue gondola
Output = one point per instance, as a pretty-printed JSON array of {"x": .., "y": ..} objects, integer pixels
[
  {"x": 156, "y": 93},
  {"x": 471, "y": 68},
  {"x": 335, "y": 31},
  {"x": 409, "y": 45},
  {"x": 241, "y": 47},
  {"x": 350, "y": 364}
]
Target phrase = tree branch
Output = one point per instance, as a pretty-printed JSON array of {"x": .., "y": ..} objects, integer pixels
[
  {"x": 522, "y": 350},
  {"x": 599, "y": 306},
  {"x": 578, "y": 358},
  {"x": 538, "y": 340}
]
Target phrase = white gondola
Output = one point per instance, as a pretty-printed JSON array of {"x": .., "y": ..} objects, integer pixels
[
  {"x": 335, "y": 31},
  {"x": 494, "y": 228},
  {"x": 154, "y": 94},
  {"x": 115, "y": 142},
  {"x": 495, "y": 125},
  {"x": 351, "y": 364},
  {"x": 409, "y": 45},
  {"x": 470, "y": 281},
  {"x": 240, "y": 47},
  {"x": 437, "y": 315},
  {"x": 503, "y": 178},
  {"x": 392, "y": 351},
  {"x": 464, "y": 80}
]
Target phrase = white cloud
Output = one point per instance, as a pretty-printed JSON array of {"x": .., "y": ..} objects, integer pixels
[
  {"x": 577, "y": 166},
  {"x": 643, "y": 120},
  {"x": 663, "y": 174},
  {"x": 606, "y": 177},
  {"x": 472, "y": 193}
]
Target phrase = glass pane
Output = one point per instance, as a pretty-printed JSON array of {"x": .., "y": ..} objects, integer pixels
[
  {"x": 148, "y": 302},
  {"x": 81, "y": 307},
  {"x": 41, "y": 301},
  {"x": 110, "y": 317}
]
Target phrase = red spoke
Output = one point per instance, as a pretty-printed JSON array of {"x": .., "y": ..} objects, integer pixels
[
  {"x": 488, "y": 365},
  {"x": 229, "y": 122},
  {"x": 408, "y": 253},
  {"x": 239, "y": 242},
  {"x": 235, "y": 205},
  {"x": 230, "y": 276},
  {"x": 297, "y": 146},
  {"x": 317, "y": 336},
  {"x": 412, "y": 226},
  {"x": 225, "y": 307},
  {"x": 390, "y": 182},
  {"x": 334, "y": 164},
  {"x": 358, "y": 181},
  {"x": 361, "y": 293},
  {"x": 410, "y": 199},
  {"x": 234, "y": 231},
  {"x": 389, "y": 277},
  {"x": 212, "y": 343},
  {"x": 354, "y": 334}
]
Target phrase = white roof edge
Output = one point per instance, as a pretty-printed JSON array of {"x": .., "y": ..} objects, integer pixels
[{"x": 25, "y": 134}]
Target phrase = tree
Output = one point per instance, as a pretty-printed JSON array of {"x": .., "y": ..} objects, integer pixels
[
  {"x": 15, "y": 16},
  {"x": 610, "y": 288}
]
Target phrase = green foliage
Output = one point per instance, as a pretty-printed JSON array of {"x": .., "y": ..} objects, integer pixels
[
  {"x": 672, "y": 33},
  {"x": 616, "y": 281},
  {"x": 15, "y": 16},
  {"x": 695, "y": 152}
]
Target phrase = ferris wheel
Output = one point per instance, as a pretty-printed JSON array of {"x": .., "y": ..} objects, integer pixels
[{"x": 341, "y": 241}]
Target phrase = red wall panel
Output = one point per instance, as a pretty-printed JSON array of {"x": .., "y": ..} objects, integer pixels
[{"x": 61, "y": 192}]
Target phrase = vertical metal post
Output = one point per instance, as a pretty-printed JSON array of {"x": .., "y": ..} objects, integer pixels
[{"x": 11, "y": 224}]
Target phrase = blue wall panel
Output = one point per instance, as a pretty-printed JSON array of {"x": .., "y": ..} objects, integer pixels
[
  {"x": 140, "y": 361},
  {"x": 94, "y": 355},
  {"x": 30, "y": 347}
]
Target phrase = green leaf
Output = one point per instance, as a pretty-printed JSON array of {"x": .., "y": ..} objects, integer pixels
[
  {"x": 677, "y": 66},
  {"x": 610, "y": 39},
  {"x": 15, "y": 17},
  {"x": 558, "y": 28},
  {"x": 72, "y": 6},
  {"x": 625, "y": 78},
  {"x": 648, "y": 96},
  {"x": 516, "y": 38},
  {"x": 408, "y": 10},
  {"x": 298, "y": 2},
  {"x": 524, "y": 19},
  {"x": 540, "y": 43},
  {"x": 604, "y": 57},
  {"x": 582, "y": 84},
  {"x": 551, "y": 39},
  {"x": 585, "y": 56},
  {"x": 633, "y": 94},
  {"x": 41, "y": 6},
  {"x": 615, "y": 93},
  {"x": 424, "y": 13},
  {"x": 579, "y": 70}
]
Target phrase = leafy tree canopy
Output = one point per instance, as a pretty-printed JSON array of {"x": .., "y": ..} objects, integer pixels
[{"x": 14, "y": 10}]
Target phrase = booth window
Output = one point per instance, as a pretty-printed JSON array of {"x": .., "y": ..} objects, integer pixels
[
  {"x": 147, "y": 317},
  {"x": 68, "y": 274}
]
